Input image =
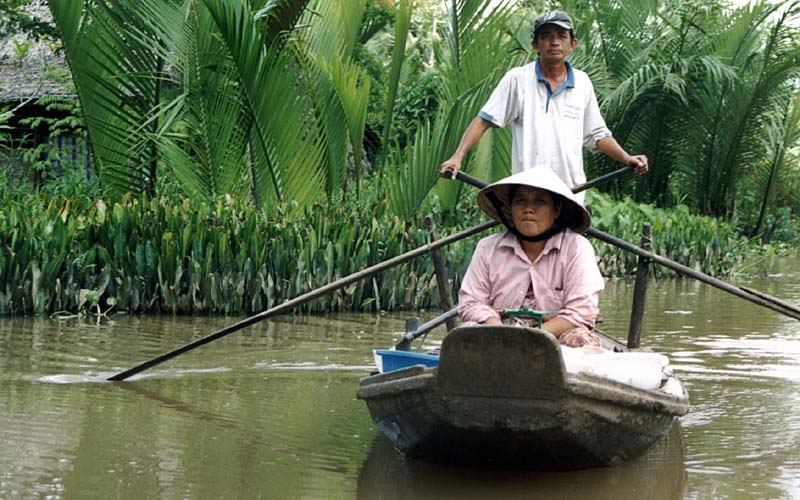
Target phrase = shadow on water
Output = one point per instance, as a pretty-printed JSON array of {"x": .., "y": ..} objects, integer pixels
[
  {"x": 197, "y": 414},
  {"x": 659, "y": 474}
]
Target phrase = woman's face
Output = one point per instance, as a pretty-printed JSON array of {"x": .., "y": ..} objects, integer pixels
[{"x": 533, "y": 210}]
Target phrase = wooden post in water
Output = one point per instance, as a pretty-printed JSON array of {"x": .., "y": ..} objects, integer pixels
[
  {"x": 442, "y": 282},
  {"x": 640, "y": 290}
]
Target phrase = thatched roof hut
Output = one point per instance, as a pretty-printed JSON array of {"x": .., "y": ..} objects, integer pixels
[{"x": 31, "y": 68}]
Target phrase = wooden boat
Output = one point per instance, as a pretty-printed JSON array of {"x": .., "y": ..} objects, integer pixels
[{"x": 501, "y": 397}]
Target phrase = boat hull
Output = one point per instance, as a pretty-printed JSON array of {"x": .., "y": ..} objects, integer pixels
[{"x": 500, "y": 397}]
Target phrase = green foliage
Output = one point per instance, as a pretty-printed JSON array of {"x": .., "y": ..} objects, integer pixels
[
  {"x": 398, "y": 57},
  {"x": 5, "y": 135},
  {"x": 154, "y": 256},
  {"x": 62, "y": 117},
  {"x": 318, "y": 64},
  {"x": 190, "y": 257},
  {"x": 15, "y": 18},
  {"x": 702, "y": 243},
  {"x": 416, "y": 104},
  {"x": 256, "y": 111}
]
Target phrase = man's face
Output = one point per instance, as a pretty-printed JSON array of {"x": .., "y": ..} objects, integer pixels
[{"x": 553, "y": 43}]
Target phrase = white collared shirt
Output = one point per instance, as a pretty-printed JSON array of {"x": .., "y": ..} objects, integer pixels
[{"x": 549, "y": 128}]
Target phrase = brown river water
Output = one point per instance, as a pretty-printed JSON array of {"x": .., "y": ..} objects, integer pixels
[{"x": 270, "y": 412}]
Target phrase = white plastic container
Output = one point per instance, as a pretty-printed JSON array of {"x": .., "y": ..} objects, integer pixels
[{"x": 639, "y": 369}]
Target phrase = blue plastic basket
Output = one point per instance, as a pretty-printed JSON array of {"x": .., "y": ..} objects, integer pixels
[{"x": 391, "y": 360}]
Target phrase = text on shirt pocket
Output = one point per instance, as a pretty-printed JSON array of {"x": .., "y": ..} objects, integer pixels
[{"x": 571, "y": 111}]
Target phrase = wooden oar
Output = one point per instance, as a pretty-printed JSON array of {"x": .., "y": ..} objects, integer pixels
[
  {"x": 770, "y": 298},
  {"x": 748, "y": 294},
  {"x": 410, "y": 335},
  {"x": 472, "y": 181},
  {"x": 302, "y": 299},
  {"x": 753, "y": 296}
]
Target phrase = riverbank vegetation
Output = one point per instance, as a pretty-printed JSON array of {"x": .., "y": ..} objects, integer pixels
[
  {"x": 158, "y": 255},
  {"x": 244, "y": 152}
]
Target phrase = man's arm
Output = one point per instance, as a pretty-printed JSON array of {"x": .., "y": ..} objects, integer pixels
[
  {"x": 471, "y": 136},
  {"x": 611, "y": 147}
]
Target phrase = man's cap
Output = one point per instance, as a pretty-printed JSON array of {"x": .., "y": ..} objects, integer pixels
[{"x": 557, "y": 17}]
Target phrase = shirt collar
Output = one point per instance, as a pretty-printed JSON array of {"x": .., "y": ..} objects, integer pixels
[
  {"x": 569, "y": 83},
  {"x": 553, "y": 243}
]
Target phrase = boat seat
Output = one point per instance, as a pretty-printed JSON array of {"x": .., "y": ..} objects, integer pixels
[{"x": 501, "y": 361}]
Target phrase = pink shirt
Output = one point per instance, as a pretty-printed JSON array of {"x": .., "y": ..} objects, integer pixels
[{"x": 565, "y": 279}]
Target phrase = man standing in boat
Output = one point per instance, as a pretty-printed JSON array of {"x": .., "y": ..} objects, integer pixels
[{"x": 552, "y": 108}]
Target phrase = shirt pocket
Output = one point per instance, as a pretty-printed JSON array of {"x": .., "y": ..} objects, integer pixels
[
  {"x": 550, "y": 299},
  {"x": 571, "y": 111}
]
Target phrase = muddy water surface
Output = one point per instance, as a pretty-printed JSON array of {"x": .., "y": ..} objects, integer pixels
[{"x": 270, "y": 412}]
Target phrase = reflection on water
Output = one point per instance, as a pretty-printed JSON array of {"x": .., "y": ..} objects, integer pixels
[
  {"x": 270, "y": 412},
  {"x": 659, "y": 474}
]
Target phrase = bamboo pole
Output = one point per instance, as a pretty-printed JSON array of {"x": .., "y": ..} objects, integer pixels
[
  {"x": 688, "y": 271},
  {"x": 442, "y": 281},
  {"x": 302, "y": 299},
  {"x": 772, "y": 299},
  {"x": 640, "y": 291}
]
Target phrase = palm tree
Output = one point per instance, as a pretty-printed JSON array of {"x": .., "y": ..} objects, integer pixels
[
  {"x": 783, "y": 134},
  {"x": 117, "y": 66},
  {"x": 694, "y": 85},
  {"x": 478, "y": 44},
  {"x": 338, "y": 87},
  {"x": 224, "y": 97}
]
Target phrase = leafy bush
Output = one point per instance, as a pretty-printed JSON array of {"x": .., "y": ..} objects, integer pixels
[{"x": 416, "y": 103}]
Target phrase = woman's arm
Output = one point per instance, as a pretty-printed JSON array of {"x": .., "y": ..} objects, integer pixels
[
  {"x": 476, "y": 288},
  {"x": 557, "y": 326},
  {"x": 582, "y": 284}
]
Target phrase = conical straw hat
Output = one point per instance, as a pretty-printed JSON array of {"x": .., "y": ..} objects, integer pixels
[{"x": 573, "y": 214}]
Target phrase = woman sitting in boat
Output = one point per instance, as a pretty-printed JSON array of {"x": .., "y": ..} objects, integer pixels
[{"x": 541, "y": 262}]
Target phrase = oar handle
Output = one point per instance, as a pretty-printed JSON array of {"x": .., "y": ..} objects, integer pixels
[
  {"x": 405, "y": 342},
  {"x": 430, "y": 325},
  {"x": 465, "y": 178},
  {"x": 472, "y": 181},
  {"x": 603, "y": 178}
]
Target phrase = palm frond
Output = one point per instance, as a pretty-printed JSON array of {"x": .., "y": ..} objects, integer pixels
[
  {"x": 401, "y": 27},
  {"x": 337, "y": 87},
  {"x": 117, "y": 68},
  {"x": 203, "y": 131},
  {"x": 412, "y": 175},
  {"x": 278, "y": 19},
  {"x": 284, "y": 139}
]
